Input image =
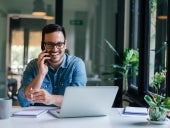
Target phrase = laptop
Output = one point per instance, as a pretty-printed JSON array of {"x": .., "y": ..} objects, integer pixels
[{"x": 89, "y": 101}]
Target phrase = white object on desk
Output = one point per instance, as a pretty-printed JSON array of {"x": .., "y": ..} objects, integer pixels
[
  {"x": 121, "y": 112},
  {"x": 135, "y": 110},
  {"x": 29, "y": 112}
]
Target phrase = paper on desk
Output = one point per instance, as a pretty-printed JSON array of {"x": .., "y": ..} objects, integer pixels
[
  {"x": 29, "y": 112},
  {"x": 136, "y": 110},
  {"x": 32, "y": 111},
  {"x": 121, "y": 112}
]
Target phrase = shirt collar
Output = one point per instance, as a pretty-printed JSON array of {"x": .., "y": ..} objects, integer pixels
[{"x": 63, "y": 64}]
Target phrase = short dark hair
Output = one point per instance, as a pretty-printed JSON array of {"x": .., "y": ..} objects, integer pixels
[{"x": 49, "y": 29}]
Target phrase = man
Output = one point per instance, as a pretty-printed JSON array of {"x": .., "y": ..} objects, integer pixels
[{"x": 45, "y": 78}]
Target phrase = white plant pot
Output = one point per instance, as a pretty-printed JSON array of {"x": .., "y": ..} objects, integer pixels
[{"x": 157, "y": 114}]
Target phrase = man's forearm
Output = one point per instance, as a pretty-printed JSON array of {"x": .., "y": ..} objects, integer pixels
[{"x": 35, "y": 83}]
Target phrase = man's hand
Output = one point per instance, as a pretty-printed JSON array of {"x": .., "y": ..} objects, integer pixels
[
  {"x": 42, "y": 96},
  {"x": 42, "y": 65}
]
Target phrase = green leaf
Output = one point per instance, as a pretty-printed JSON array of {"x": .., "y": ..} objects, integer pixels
[
  {"x": 112, "y": 48},
  {"x": 149, "y": 100},
  {"x": 130, "y": 62},
  {"x": 166, "y": 102},
  {"x": 131, "y": 56},
  {"x": 157, "y": 99}
]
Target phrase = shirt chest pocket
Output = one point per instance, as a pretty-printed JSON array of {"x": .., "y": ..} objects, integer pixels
[
  {"x": 65, "y": 78},
  {"x": 64, "y": 82},
  {"x": 61, "y": 86}
]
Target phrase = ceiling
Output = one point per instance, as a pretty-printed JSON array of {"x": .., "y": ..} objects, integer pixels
[{"x": 26, "y": 6}]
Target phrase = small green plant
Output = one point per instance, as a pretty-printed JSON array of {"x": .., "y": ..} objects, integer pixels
[
  {"x": 156, "y": 100},
  {"x": 158, "y": 79},
  {"x": 128, "y": 66},
  {"x": 158, "y": 105}
]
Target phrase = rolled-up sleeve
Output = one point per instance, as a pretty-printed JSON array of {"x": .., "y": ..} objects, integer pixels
[{"x": 28, "y": 76}]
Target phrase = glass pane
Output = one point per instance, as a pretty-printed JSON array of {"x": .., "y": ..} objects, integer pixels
[
  {"x": 34, "y": 44},
  {"x": 17, "y": 50},
  {"x": 158, "y": 39},
  {"x": 134, "y": 37},
  {"x": 21, "y": 23},
  {"x": 88, "y": 23},
  {"x": 152, "y": 39}
]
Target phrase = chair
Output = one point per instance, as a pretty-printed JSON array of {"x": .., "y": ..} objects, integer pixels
[{"x": 12, "y": 88}]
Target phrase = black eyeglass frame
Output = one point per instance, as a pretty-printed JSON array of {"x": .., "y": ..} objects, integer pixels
[{"x": 50, "y": 45}]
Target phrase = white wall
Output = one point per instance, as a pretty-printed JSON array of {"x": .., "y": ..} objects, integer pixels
[
  {"x": 70, "y": 30},
  {"x": 101, "y": 24}
]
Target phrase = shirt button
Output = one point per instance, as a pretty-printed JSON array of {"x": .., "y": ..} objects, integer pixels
[{"x": 61, "y": 84}]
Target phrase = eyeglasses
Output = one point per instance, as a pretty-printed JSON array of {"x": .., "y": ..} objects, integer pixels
[{"x": 50, "y": 45}]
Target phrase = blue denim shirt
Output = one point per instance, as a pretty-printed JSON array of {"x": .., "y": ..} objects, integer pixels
[{"x": 72, "y": 72}]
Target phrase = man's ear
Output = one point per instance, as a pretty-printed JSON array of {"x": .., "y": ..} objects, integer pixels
[
  {"x": 42, "y": 46},
  {"x": 65, "y": 44}
]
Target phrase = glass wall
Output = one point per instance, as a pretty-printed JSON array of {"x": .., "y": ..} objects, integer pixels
[
  {"x": 87, "y": 27},
  {"x": 17, "y": 47},
  {"x": 24, "y": 40},
  {"x": 24, "y": 32},
  {"x": 158, "y": 40},
  {"x": 148, "y": 32}
]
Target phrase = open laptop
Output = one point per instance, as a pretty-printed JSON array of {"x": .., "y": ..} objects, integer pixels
[{"x": 86, "y": 101}]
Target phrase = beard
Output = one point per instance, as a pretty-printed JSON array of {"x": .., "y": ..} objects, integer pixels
[{"x": 56, "y": 57}]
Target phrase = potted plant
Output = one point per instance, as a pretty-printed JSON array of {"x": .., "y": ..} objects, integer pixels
[
  {"x": 158, "y": 104},
  {"x": 127, "y": 68}
]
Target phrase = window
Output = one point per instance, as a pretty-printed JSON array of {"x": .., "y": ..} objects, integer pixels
[
  {"x": 17, "y": 49},
  {"x": 134, "y": 36},
  {"x": 25, "y": 41},
  {"x": 34, "y": 44},
  {"x": 148, "y": 32},
  {"x": 158, "y": 39}
]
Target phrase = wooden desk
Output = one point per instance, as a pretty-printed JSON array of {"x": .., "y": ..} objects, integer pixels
[{"x": 114, "y": 120}]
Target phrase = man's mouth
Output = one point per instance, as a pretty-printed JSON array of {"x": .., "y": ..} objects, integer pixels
[{"x": 53, "y": 54}]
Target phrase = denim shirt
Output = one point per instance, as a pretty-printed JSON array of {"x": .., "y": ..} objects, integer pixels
[{"x": 72, "y": 72}]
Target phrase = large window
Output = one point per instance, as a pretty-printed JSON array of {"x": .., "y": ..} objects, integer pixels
[
  {"x": 158, "y": 39},
  {"x": 148, "y": 32},
  {"x": 17, "y": 47},
  {"x": 25, "y": 41}
]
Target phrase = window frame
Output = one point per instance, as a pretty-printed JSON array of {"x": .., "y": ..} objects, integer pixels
[{"x": 144, "y": 49}]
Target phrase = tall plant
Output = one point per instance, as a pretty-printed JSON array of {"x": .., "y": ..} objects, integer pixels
[{"x": 128, "y": 67}]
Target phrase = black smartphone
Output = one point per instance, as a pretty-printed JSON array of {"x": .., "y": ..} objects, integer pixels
[{"x": 46, "y": 59}]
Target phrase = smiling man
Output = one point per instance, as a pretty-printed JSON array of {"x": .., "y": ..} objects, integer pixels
[{"x": 46, "y": 77}]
